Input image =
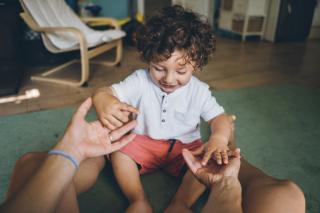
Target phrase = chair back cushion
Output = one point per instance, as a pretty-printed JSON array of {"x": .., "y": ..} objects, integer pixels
[{"x": 56, "y": 13}]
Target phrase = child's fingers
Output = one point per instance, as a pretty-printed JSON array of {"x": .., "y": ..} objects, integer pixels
[
  {"x": 107, "y": 124},
  {"x": 217, "y": 156},
  {"x": 126, "y": 107},
  {"x": 224, "y": 155},
  {"x": 122, "y": 116},
  {"x": 114, "y": 121},
  {"x": 206, "y": 157}
]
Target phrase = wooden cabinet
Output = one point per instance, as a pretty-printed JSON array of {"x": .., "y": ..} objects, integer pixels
[
  {"x": 243, "y": 17},
  {"x": 10, "y": 47}
]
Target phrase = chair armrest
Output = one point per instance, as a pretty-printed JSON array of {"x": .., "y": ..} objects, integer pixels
[{"x": 101, "y": 21}]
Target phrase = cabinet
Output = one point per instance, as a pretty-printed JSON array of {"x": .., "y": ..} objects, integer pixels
[
  {"x": 10, "y": 47},
  {"x": 243, "y": 17}
]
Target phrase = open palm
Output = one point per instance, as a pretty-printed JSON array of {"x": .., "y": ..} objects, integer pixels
[{"x": 212, "y": 172}]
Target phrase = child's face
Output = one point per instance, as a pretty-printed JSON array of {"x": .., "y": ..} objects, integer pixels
[{"x": 171, "y": 74}]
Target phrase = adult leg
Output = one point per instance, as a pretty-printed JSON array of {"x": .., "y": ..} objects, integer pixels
[
  {"x": 263, "y": 193},
  {"x": 188, "y": 193},
  {"x": 85, "y": 177},
  {"x": 128, "y": 178}
]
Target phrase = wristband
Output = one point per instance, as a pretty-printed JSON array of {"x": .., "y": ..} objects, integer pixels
[{"x": 65, "y": 155}]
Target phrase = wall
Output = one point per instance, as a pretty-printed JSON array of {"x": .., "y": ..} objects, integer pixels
[{"x": 117, "y": 9}]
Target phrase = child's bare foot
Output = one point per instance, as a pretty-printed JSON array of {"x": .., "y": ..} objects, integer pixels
[{"x": 140, "y": 206}]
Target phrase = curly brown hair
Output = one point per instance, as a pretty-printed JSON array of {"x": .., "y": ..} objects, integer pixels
[{"x": 175, "y": 28}]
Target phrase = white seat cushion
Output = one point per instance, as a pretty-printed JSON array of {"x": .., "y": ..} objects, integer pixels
[{"x": 56, "y": 13}]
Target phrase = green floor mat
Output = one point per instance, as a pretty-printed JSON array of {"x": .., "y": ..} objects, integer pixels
[{"x": 277, "y": 129}]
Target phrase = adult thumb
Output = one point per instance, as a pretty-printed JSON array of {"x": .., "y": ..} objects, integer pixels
[{"x": 83, "y": 108}]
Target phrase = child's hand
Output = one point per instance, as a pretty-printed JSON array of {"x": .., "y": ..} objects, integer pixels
[
  {"x": 212, "y": 172},
  {"x": 113, "y": 113},
  {"x": 216, "y": 148}
]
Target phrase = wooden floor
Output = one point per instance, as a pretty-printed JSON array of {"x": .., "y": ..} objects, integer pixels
[{"x": 234, "y": 65}]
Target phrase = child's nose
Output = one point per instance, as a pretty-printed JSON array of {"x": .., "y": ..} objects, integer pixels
[{"x": 169, "y": 78}]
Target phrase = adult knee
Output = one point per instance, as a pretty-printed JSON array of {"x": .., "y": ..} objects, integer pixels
[
  {"x": 291, "y": 191},
  {"x": 271, "y": 195}
]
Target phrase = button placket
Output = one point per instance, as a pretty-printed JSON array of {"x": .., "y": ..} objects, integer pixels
[{"x": 164, "y": 109}]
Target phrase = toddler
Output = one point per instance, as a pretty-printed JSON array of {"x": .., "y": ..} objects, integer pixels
[{"x": 168, "y": 102}]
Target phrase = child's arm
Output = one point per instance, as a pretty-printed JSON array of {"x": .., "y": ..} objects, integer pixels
[
  {"x": 111, "y": 112},
  {"x": 217, "y": 145}
]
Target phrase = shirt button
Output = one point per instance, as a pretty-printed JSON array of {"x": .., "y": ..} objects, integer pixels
[
  {"x": 163, "y": 120},
  {"x": 164, "y": 111}
]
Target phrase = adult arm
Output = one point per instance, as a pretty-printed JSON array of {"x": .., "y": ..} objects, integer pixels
[{"x": 81, "y": 140}]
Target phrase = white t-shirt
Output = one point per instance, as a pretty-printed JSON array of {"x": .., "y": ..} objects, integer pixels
[{"x": 168, "y": 116}]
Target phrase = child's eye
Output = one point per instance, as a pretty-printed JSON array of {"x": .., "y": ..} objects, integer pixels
[
  {"x": 181, "y": 72},
  {"x": 158, "y": 69}
]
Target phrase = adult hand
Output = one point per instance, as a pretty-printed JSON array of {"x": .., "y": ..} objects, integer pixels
[
  {"x": 84, "y": 139},
  {"x": 212, "y": 172}
]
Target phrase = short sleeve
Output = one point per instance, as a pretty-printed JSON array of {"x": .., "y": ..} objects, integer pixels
[
  {"x": 130, "y": 89},
  {"x": 210, "y": 108}
]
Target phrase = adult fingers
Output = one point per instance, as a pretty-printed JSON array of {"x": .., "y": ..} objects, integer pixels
[
  {"x": 190, "y": 160},
  {"x": 83, "y": 108},
  {"x": 234, "y": 153},
  {"x": 118, "y": 133},
  {"x": 120, "y": 143}
]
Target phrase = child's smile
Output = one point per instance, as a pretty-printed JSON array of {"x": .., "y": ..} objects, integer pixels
[{"x": 171, "y": 74}]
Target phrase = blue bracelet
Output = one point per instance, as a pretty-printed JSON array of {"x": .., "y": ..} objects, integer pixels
[{"x": 66, "y": 155}]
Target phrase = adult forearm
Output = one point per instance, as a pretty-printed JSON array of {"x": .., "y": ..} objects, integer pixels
[
  {"x": 43, "y": 192},
  {"x": 225, "y": 196}
]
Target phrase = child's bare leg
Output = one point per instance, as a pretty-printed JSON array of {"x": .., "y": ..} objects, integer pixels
[
  {"x": 188, "y": 193},
  {"x": 85, "y": 177},
  {"x": 262, "y": 193},
  {"x": 128, "y": 177}
]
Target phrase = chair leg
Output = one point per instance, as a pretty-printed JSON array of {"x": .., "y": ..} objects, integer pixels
[
  {"x": 84, "y": 64},
  {"x": 45, "y": 77},
  {"x": 118, "y": 58}
]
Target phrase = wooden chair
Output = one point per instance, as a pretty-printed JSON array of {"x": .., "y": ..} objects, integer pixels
[{"x": 73, "y": 35}]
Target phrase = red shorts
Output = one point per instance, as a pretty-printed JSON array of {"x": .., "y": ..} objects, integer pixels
[{"x": 152, "y": 154}]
